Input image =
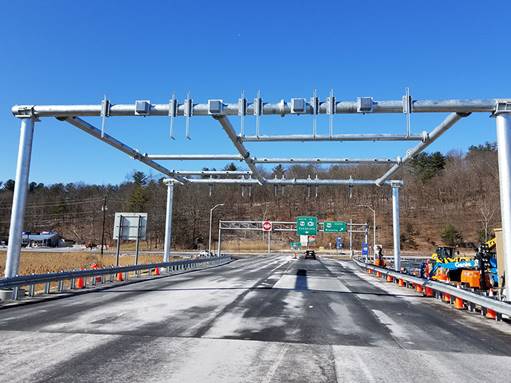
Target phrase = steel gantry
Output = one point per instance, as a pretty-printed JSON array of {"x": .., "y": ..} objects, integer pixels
[
  {"x": 284, "y": 226},
  {"x": 242, "y": 108}
]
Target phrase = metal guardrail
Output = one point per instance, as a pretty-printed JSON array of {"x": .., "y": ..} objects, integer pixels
[
  {"x": 34, "y": 279},
  {"x": 500, "y": 307}
]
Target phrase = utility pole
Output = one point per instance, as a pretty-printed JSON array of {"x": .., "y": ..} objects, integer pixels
[{"x": 104, "y": 209}]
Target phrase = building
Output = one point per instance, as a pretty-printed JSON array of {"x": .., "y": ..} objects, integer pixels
[{"x": 43, "y": 239}]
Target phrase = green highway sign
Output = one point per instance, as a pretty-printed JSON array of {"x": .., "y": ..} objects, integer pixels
[
  {"x": 334, "y": 226},
  {"x": 295, "y": 245},
  {"x": 306, "y": 225}
]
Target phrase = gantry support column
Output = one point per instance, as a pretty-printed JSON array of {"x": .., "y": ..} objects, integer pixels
[
  {"x": 168, "y": 221},
  {"x": 504, "y": 154},
  {"x": 395, "y": 225},
  {"x": 19, "y": 197}
]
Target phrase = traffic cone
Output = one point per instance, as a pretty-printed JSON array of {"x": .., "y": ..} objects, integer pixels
[
  {"x": 80, "y": 283},
  {"x": 458, "y": 304},
  {"x": 401, "y": 283},
  {"x": 156, "y": 271},
  {"x": 429, "y": 292},
  {"x": 446, "y": 298},
  {"x": 418, "y": 288},
  {"x": 390, "y": 278},
  {"x": 119, "y": 277}
]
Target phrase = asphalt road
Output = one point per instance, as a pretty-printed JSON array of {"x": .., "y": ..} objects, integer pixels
[{"x": 260, "y": 319}]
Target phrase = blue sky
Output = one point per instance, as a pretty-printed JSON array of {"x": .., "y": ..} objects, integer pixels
[{"x": 65, "y": 52}]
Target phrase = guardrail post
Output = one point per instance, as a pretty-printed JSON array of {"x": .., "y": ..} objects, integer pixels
[
  {"x": 168, "y": 221},
  {"x": 503, "y": 121},
  {"x": 395, "y": 225},
  {"x": 19, "y": 197}
]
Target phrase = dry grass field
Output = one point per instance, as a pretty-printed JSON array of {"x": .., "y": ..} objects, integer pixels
[{"x": 40, "y": 262}]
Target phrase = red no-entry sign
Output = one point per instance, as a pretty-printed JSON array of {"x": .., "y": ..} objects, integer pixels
[{"x": 267, "y": 226}]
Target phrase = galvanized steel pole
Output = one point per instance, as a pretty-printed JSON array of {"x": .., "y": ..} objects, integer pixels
[
  {"x": 211, "y": 224},
  {"x": 168, "y": 221},
  {"x": 504, "y": 154},
  {"x": 219, "y": 236},
  {"x": 19, "y": 197},
  {"x": 395, "y": 225}
]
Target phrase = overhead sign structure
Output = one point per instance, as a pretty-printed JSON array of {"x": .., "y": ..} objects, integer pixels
[
  {"x": 306, "y": 225},
  {"x": 334, "y": 227},
  {"x": 130, "y": 226},
  {"x": 267, "y": 226}
]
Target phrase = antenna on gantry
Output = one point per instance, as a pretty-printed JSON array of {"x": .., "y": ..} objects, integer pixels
[
  {"x": 315, "y": 112},
  {"x": 172, "y": 114},
  {"x": 242, "y": 112},
  {"x": 258, "y": 111},
  {"x": 105, "y": 112},
  {"x": 407, "y": 109},
  {"x": 331, "y": 112},
  {"x": 188, "y": 112}
]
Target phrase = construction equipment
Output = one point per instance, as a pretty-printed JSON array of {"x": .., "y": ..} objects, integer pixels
[{"x": 478, "y": 272}]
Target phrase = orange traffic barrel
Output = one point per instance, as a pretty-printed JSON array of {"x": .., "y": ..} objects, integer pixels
[
  {"x": 119, "y": 277},
  {"x": 80, "y": 282},
  {"x": 378, "y": 274},
  {"x": 156, "y": 271},
  {"x": 446, "y": 297},
  {"x": 458, "y": 304},
  {"x": 390, "y": 278},
  {"x": 401, "y": 283},
  {"x": 418, "y": 288},
  {"x": 429, "y": 292},
  {"x": 491, "y": 314}
]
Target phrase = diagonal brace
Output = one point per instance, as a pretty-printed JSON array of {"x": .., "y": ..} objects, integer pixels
[
  {"x": 229, "y": 130},
  {"x": 95, "y": 132}
]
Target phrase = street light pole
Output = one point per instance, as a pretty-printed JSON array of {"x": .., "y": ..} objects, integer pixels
[
  {"x": 210, "y": 224},
  {"x": 104, "y": 209},
  {"x": 374, "y": 227}
]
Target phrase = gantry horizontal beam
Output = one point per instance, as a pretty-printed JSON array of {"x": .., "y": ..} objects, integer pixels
[
  {"x": 194, "y": 157},
  {"x": 440, "y": 129},
  {"x": 334, "y": 137},
  {"x": 95, "y": 132},
  {"x": 287, "y": 182},
  {"x": 281, "y": 108},
  {"x": 320, "y": 160},
  {"x": 212, "y": 172}
]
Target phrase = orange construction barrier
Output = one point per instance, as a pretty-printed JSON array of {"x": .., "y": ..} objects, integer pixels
[
  {"x": 156, "y": 271},
  {"x": 401, "y": 283},
  {"x": 390, "y": 278},
  {"x": 80, "y": 282},
  {"x": 458, "y": 304},
  {"x": 378, "y": 274},
  {"x": 369, "y": 271},
  {"x": 490, "y": 314},
  {"x": 446, "y": 298},
  {"x": 119, "y": 277},
  {"x": 418, "y": 288},
  {"x": 429, "y": 292}
]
